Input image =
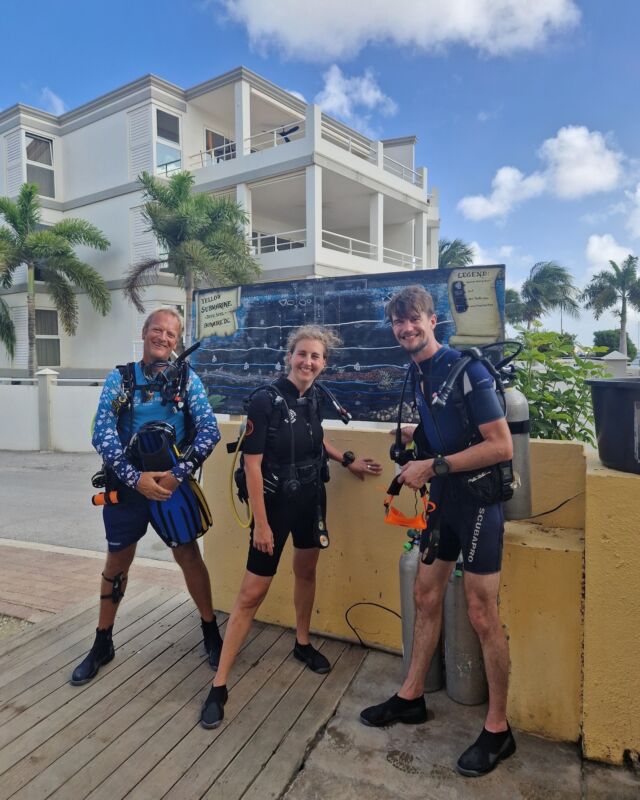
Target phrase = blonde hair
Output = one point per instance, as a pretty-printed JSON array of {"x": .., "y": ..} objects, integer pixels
[
  {"x": 164, "y": 310},
  {"x": 328, "y": 338}
]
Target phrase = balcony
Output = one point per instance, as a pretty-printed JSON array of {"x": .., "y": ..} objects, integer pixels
[{"x": 262, "y": 243}]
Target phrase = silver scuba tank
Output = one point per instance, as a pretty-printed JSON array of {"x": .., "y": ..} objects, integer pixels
[
  {"x": 409, "y": 562},
  {"x": 466, "y": 680},
  {"x": 517, "y": 411}
]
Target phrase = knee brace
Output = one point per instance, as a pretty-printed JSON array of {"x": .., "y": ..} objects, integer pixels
[{"x": 117, "y": 590}]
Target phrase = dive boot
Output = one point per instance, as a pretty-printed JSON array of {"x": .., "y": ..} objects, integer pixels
[
  {"x": 101, "y": 653},
  {"x": 212, "y": 641}
]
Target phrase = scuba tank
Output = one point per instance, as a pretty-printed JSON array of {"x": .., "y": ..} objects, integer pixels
[
  {"x": 465, "y": 676},
  {"x": 409, "y": 562},
  {"x": 517, "y": 411}
]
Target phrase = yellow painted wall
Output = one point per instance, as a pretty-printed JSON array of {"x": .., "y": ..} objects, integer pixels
[
  {"x": 611, "y": 722},
  {"x": 541, "y": 609},
  {"x": 542, "y": 576}
]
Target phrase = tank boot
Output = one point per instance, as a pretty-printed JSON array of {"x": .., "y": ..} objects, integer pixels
[
  {"x": 212, "y": 641},
  {"x": 101, "y": 653}
]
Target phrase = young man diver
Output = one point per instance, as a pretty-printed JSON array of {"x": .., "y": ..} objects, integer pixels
[
  {"x": 456, "y": 441},
  {"x": 150, "y": 400}
]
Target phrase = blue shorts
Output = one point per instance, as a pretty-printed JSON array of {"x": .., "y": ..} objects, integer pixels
[
  {"x": 126, "y": 522},
  {"x": 466, "y": 526}
]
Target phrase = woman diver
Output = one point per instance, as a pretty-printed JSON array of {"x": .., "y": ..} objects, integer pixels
[{"x": 284, "y": 477}]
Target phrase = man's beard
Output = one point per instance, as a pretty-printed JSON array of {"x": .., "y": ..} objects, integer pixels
[{"x": 415, "y": 349}]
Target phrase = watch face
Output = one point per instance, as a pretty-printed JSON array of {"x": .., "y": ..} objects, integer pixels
[
  {"x": 348, "y": 458},
  {"x": 441, "y": 466}
]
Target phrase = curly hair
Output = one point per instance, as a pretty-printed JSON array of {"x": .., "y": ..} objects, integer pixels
[{"x": 328, "y": 338}]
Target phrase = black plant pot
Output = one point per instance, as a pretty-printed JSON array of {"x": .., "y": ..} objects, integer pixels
[{"x": 616, "y": 409}]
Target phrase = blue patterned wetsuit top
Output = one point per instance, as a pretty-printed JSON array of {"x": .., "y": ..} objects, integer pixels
[{"x": 111, "y": 433}]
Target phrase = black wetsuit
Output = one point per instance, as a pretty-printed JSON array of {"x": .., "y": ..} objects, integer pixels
[
  {"x": 296, "y": 515},
  {"x": 465, "y": 523}
]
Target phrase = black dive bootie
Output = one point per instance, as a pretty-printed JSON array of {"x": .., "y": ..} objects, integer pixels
[
  {"x": 101, "y": 653},
  {"x": 212, "y": 641}
]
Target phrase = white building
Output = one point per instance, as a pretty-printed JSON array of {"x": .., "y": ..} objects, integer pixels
[{"x": 323, "y": 200}]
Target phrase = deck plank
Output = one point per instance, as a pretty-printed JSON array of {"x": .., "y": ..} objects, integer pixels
[
  {"x": 278, "y": 771},
  {"x": 37, "y": 724},
  {"x": 134, "y": 731},
  {"x": 163, "y": 759},
  {"x": 265, "y": 741},
  {"x": 256, "y": 707},
  {"x": 51, "y": 669}
]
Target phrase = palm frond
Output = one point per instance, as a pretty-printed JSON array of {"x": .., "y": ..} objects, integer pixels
[
  {"x": 79, "y": 231},
  {"x": 64, "y": 299},
  {"x": 142, "y": 274},
  {"x": 9, "y": 210},
  {"x": 28, "y": 204},
  {"x": 7, "y": 329},
  {"x": 45, "y": 244},
  {"x": 454, "y": 253},
  {"x": 10, "y": 260},
  {"x": 84, "y": 277}
]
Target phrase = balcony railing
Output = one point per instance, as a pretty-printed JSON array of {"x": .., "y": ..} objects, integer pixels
[
  {"x": 165, "y": 170},
  {"x": 406, "y": 173},
  {"x": 400, "y": 259},
  {"x": 262, "y": 243},
  {"x": 224, "y": 152},
  {"x": 358, "y": 146},
  {"x": 347, "y": 244},
  {"x": 283, "y": 134}
]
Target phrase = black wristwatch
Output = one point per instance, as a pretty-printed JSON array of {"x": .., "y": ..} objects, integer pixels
[
  {"x": 348, "y": 457},
  {"x": 441, "y": 466}
]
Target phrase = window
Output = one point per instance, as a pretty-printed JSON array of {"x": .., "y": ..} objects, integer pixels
[
  {"x": 47, "y": 339},
  {"x": 168, "y": 156},
  {"x": 40, "y": 163},
  {"x": 218, "y": 147}
]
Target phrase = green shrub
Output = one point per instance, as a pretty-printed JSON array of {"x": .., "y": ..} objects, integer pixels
[{"x": 553, "y": 379}]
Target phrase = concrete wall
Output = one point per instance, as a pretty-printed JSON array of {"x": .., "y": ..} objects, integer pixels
[
  {"x": 611, "y": 721},
  {"x": 541, "y": 581},
  {"x": 19, "y": 415}
]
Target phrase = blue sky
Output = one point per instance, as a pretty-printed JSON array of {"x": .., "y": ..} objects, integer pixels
[{"x": 525, "y": 111}]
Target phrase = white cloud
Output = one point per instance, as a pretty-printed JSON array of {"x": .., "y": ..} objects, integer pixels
[
  {"x": 509, "y": 188},
  {"x": 633, "y": 220},
  {"x": 578, "y": 163},
  {"x": 333, "y": 29},
  {"x": 297, "y": 94},
  {"x": 598, "y": 217},
  {"x": 602, "y": 249},
  {"x": 51, "y": 102},
  {"x": 353, "y": 99}
]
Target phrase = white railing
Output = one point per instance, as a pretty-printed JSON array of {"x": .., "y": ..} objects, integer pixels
[
  {"x": 13, "y": 381},
  {"x": 169, "y": 168},
  {"x": 224, "y": 152},
  {"x": 272, "y": 242},
  {"x": 400, "y": 259},
  {"x": 347, "y": 244},
  {"x": 406, "y": 173},
  {"x": 283, "y": 134},
  {"x": 358, "y": 146}
]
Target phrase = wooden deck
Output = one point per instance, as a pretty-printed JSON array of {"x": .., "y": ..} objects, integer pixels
[{"x": 134, "y": 731}]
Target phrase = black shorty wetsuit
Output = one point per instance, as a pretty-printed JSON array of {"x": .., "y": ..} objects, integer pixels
[
  {"x": 465, "y": 523},
  {"x": 297, "y": 515}
]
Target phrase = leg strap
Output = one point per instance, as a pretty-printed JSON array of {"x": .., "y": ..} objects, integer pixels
[{"x": 117, "y": 590}]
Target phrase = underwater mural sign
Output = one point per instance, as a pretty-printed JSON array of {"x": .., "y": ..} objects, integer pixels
[{"x": 243, "y": 332}]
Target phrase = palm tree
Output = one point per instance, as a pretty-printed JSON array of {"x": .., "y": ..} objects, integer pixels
[
  {"x": 618, "y": 286},
  {"x": 454, "y": 253},
  {"x": 49, "y": 249},
  {"x": 201, "y": 238},
  {"x": 548, "y": 287},
  {"x": 514, "y": 308}
]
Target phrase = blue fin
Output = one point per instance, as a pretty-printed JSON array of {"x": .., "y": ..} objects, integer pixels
[{"x": 178, "y": 520}]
